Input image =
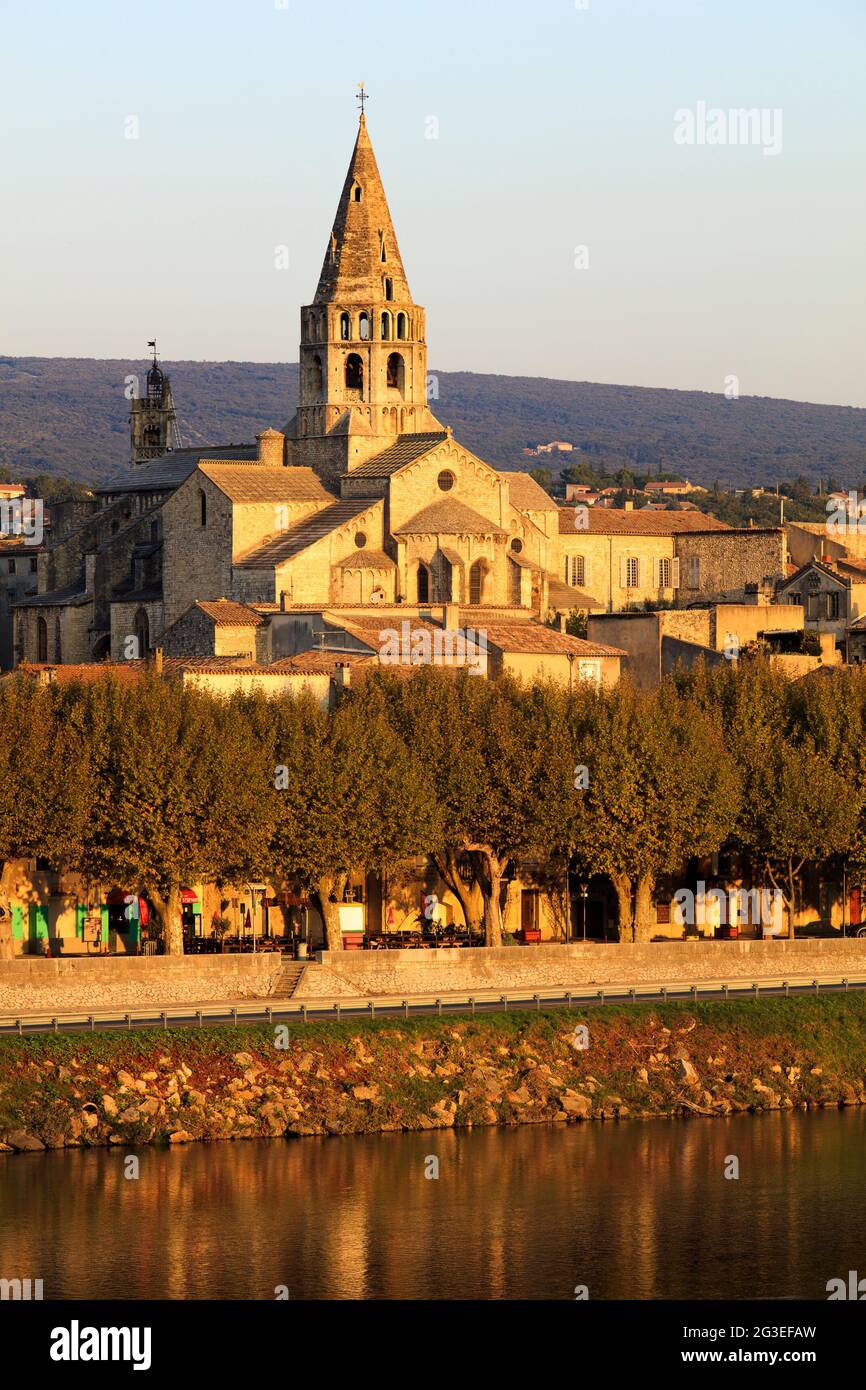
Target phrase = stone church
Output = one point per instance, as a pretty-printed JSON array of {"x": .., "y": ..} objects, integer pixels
[{"x": 363, "y": 506}]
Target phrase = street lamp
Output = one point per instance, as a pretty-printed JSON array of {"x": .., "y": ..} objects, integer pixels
[{"x": 584, "y": 894}]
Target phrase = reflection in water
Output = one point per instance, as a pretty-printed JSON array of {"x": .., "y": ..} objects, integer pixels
[{"x": 632, "y": 1210}]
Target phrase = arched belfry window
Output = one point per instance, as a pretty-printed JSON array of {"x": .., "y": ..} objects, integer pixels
[
  {"x": 356, "y": 192},
  {"x": 386, "y": 326},
  {"x": 354, "y": 373},
  {"x": 402, "y": 326},
  {"x": 423, "y": 584},
  {"x": 202, "y": 508},
  {"x": 364, "y": 325},
  {"x": 345, "y": 327},
  {"x": 396, "y": 371},
  {"x": 388, "y": 286}
]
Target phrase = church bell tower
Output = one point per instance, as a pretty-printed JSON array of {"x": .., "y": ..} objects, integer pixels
[
  {"x": 363, "y": 357},
  {"x": 153, "y": 419}
]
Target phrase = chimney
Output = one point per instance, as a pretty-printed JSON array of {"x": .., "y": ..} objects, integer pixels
[
  {"x": 282, "y": 600},
  {"x": 271, "y": 448},
  {"x": 561, "y": 622},
  {"x": 629, "y": 505},
  {"x": 451, "y": 616},
  {"x": 342, "y": 677},
  {"x": 158, "y": 660}
]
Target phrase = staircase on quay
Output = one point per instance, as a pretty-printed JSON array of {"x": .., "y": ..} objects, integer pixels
[{"x": 288, "y": 978}]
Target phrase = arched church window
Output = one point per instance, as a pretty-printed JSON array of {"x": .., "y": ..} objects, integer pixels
[
  {"x": 386, "y": 326},
  {"x": 423, "y": 584},
  {"x": 402, "y": 326},
  {"x": 345, "y": 327},
  {"x": 445, "y": 480},
  {"x": 316, "y": 375},
  {"x": 202, "y": 508},
  {"x": 354, "y": 373},
  {"x": 476, "y": 581},
  {"x": 364, "y": 325},
  {"x": 396, "y": 371},
  {"x": 356, "y": 192},
  {"x": 142, "y": 632},
  {"x": 58, "y": 641},
  {"x": 41, "y": 639}
]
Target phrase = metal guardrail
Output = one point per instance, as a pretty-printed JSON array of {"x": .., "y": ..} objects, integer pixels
[{"x": 307, "y": 1011}]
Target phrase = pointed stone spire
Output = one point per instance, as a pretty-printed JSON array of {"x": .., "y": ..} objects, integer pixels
[{"x": 362, "y": 251}]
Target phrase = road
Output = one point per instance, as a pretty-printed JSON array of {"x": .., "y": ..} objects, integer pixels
[{"x": 273, "y": 1010}]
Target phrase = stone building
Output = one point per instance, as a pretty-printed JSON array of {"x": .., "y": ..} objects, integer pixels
[{"x": 364, "y": 500}]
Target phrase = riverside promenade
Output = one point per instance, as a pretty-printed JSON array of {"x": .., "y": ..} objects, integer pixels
[{"x": 80, "y": 992}]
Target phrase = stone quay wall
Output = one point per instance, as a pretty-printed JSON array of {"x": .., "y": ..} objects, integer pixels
[
  {"x": 102, "y": 982},
  {"x": 344, "y": 973}
]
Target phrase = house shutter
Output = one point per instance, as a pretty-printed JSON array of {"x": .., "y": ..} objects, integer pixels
[
  {"x": 642, "y": 573},
  {"x": 675, "y": 573},
  {"x": 623, "y": 572},
  {"x": 587, "y": 571},
  {"x": 656, "y": 575}
]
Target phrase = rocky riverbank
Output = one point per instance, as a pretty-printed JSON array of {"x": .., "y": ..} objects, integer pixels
[{"x": 616, "y": 1063}]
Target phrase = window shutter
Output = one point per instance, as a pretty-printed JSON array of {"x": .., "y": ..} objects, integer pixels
[
  {"x": 623, "y": 572},
  {"x": 641, "y": 572},
  {"x": 587, "y": 571},
  {"x": 675, "y": 574},
  {"x": 656, "y": 575}
]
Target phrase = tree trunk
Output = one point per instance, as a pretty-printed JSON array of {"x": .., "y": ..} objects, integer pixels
[
  {"x": 329, "y": 891},
  {"x": 446, "y": 867},
  {"x": 7, "y": 949},
  {"x": 491, "y": 867},
  {"x": 643, "y": 904},
  {"x": 623, "y": 888},
  {"x": 170, "y": 911}
]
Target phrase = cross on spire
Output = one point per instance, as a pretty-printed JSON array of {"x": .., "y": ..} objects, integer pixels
[{"x": 363, "y": 96}]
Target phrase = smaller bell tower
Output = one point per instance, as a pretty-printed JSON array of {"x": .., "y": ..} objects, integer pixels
[{"x": 153, "y": 418}]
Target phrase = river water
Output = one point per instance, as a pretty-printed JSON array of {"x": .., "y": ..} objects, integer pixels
[{"x": 636, "y": 1209}]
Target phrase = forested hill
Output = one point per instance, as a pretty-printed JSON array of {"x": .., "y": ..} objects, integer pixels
[{"x": 68, "y": 416}]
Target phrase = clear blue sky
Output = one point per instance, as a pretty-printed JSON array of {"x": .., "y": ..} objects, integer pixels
[{"x": 555, "y": 130}]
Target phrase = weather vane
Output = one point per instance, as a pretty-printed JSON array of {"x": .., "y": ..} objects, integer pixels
[
  {"x": 152, "y": 344},
  {"x": 363, "y": 96}
]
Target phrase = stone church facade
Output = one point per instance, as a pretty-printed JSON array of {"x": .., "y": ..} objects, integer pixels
[{"x": 363, "y": 501}]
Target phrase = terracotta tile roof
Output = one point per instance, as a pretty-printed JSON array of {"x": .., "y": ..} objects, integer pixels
[
  {"x": 448, "y": 517},
  {"x": 283, "y": 546},
  {"x": 226, "y": 613},
  {"x": 614, "y": 521},
  {"x": 367, "y": 560},
  {"x": 407, "y": 449},
  {"x": 526, "y": 494},
  {"x": 85, "y": 671},
  {"x": 254, "y": 482},
  {"x": 324, "y": 662},
  {"x": 564, "y": 595},
  {"x": 167, "y": 473},
  {"x": 533, "y": 638},
  {"x": 71, "y": 595}
]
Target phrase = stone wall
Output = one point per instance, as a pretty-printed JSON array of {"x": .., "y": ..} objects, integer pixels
[
  {"x": 577, "y": 966},
  {"x": 32, "y": 983},
  {"x": 727, "y": 561}
]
